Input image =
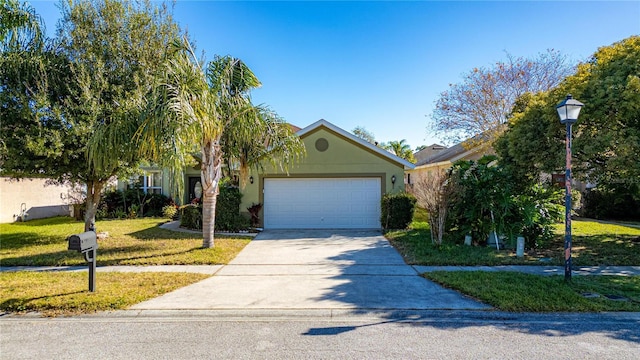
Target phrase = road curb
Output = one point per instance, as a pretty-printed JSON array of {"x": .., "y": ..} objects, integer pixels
[{"x": 381, "y": 315}]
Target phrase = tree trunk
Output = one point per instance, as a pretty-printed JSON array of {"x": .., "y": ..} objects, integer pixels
[
  {"x": 211, "y": 173},
  {"x": 94, "y": 190}
]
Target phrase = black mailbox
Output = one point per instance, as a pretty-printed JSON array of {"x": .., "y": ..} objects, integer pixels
[{"x": 85, "y": 241}]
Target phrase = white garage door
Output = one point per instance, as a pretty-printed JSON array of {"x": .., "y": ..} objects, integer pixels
[{"x": 334, "y": 203}]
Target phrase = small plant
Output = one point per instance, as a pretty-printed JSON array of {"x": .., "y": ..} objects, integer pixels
[
  {"x": 134, "y": 210},
  {"x": 118, "y": 214},
  {"x": 254, "y": 211},
  {"x": 169, "y": 211}
]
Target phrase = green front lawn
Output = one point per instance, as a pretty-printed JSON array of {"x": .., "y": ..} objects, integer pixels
[
  {"x": 130, "y": 242},
  {"x": 510, "y": 291},
  {"x": 66, "y": 293},
  {"x": 594, "y": 243}
]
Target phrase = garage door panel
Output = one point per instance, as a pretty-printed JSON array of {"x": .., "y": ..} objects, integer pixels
[{"x": 322, "y": 203}]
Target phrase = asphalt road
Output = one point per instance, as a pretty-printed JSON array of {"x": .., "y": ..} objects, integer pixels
[{"x": 427, "y": 335}]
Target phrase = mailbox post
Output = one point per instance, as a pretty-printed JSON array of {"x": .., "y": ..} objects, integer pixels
[{"x": 87, "y": 244}]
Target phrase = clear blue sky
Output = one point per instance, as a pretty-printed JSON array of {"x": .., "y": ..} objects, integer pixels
[{"x": 382, "y": 65}]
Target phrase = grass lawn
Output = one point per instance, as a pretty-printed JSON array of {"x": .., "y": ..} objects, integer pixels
[
  {"x": 66, "y": 293},
  {"x": 130, "y": 242},
  {"x": 509, "y": 291},
  {"x": 594, "y": 243}
]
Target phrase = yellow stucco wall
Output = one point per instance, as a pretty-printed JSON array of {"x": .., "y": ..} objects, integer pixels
[{"x": 343, "y": 158}]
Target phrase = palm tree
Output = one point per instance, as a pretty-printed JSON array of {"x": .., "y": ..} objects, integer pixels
[
  {"x": 21, "y": 27},
  {"x": 400, "y": 148},
  {"x": 208, "y": 110}
]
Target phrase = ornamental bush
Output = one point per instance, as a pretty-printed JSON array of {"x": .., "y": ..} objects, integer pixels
[
  {"x": 191, "y": 217},
  {"x": 397, "y": 210},
  {"x": 228, "y": 216},
  {"x": 115, "y": 203},
  {"x": 487, "y": 197}
]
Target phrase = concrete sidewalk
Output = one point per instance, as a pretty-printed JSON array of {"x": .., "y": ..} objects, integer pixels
[
  {"x": 324, "y": 269},
  {"x": 539, "y": 270}
]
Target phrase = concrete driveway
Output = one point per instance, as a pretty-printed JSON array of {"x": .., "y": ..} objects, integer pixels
[{"x": 314, "y": 269}]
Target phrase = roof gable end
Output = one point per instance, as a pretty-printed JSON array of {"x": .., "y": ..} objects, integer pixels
[{"x": 378, "y": 151}]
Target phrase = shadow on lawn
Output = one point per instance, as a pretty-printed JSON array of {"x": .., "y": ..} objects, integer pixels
[
  {"x": 107, "y": 256},
  {"x": 58, "y": 220},
  {"x": 21, "y": 304},
  {"x": 28, "y": 239},
  {"x": 156, "y": 233},
  {"x": 56, "y": 258}
]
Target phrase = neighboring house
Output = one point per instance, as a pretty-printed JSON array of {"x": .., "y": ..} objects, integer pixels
[
  {"x": 437, "y": 158},
  {"x": 428, "y": 152},
  {"x": 31, "y": 198},
  {"x": 338, "y": 184}
]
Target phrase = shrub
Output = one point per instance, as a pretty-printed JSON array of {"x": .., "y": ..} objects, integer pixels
[
  {"x": 488, "y": 197},
  {"x": 228, "y": 216},
  {"x": 481, "y": 198},
  {"x": 133, "y": 202},
  {"x": 191, "y": 217},
  {"x": 397, "y": 210},
  {"x": 169, "y": 211},
  {"x": 155, "y": 203},
  {"x": 614, "y": 203}
]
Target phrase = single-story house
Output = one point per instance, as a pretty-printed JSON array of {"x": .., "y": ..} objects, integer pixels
[
  {"x": 437, "y": 157},
  {"x": 338, "y": 184}
]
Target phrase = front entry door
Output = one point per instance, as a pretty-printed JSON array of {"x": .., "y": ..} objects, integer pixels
[{"x": 195, "y": 188}]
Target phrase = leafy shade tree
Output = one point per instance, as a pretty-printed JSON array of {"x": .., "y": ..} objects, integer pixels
[
  {"x": 481, "y": 103},
  {"x": 206, "y": 110},
  {"x": 364, "y": 134},
  {"x": 80, "y": 125},
  {"x": 23, "y": 63},
  {"x": 400, "y": 148},
  {"x": 33, "y": 76},
  {"x": 607, "y": 135}
]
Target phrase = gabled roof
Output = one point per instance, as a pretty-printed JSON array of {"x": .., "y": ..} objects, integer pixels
[
  {"x": 449, "y": 154},
  {"x": 428, "y": 152},
  {"x": 379, "y": 151}
]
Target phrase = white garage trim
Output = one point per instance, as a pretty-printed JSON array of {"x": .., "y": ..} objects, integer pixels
[{"x": 322, "y": 203}]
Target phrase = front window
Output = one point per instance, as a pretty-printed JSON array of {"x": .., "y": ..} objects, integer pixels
[{"x": 151, "y": 182}]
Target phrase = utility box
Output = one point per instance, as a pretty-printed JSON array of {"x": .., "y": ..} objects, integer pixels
[{"x": 83, "y": 242}]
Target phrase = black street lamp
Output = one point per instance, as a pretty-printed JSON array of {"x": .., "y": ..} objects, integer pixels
[{"x": 568, "y": 110}]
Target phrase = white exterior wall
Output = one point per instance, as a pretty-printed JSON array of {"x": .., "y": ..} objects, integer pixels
[{"x": 40, "y": 200}]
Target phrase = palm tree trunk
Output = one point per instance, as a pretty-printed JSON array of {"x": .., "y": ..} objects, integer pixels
[
  {"x": 94, "y": 190},
  {"x": 211, "y": 173},
  {"x": 208, "y": 220}
]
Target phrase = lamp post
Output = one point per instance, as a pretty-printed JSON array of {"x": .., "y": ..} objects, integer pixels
[{"x": 568, "y": 110}]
